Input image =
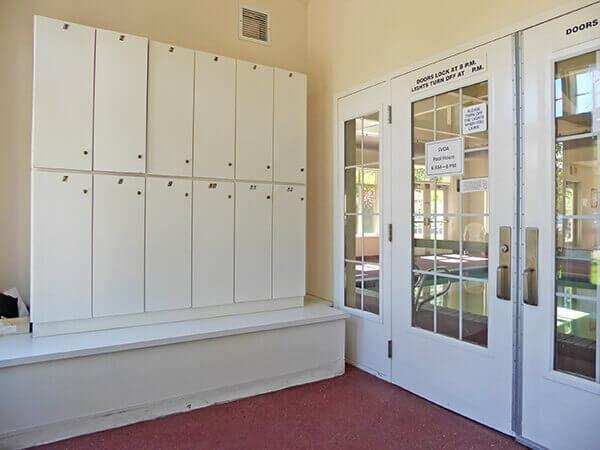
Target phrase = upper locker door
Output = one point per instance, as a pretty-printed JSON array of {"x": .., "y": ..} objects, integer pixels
[
  {"x": 170, "y": 109},
  {"x": 289, "y": 238},
  {"x": 63, "y": 99},
  {"x": 253, "y": 241},
  {"x": 289, "y": 127},
  {"x": 254, "y": 122},
  {"x": 214, "y": 116},
  {"x": 168, "y": 244},
  {"x": 453, "y": 212},
  {"x": 561, "y": 306},
  {"x": 214, "y": 205},
  {"x": 120, "y": 102},
  {"x": 118, "y": 245},
  {"x": 61, "y": 253}
]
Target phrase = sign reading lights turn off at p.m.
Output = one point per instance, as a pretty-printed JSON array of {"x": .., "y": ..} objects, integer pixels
[{"x": 444, "y": 157}]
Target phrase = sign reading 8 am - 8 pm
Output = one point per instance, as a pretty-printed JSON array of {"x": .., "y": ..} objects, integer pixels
[{"x": 445, "y": 157}]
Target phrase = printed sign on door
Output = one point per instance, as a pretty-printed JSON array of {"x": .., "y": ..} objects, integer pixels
[
  {"x": 445, "y": 157},
  {"x": 475, "y": 118}
]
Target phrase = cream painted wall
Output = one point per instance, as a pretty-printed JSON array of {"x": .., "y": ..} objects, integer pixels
[
  {"x": 340, "y": 43},
  {"x": 351, "y": 42},
  {"x": 200, "y": 24}
]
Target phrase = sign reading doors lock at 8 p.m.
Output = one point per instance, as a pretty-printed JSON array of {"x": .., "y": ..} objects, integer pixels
[{"x": 445, "y": 157}]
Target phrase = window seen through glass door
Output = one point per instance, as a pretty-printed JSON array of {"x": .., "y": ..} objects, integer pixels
[
  {"x": 450, "y": 228},
  {"x": 577, "y": 251},
  {"x": 362, "y": 213}
]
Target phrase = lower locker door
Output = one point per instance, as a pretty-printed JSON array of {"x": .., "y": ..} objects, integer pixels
[
  {"x": 288, "y": 241},
  {"x": 253, "y": 241},
  {"x": 61, "y": 284},
  {"x": 213, "y": 243},
  {"x": 168, "y": 244},
  {"x": 118, "y": 245}
]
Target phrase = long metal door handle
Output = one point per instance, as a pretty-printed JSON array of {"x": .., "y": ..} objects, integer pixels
[
  {"x": 529, "y": 287},
  {"x": 502, "y": 283}
]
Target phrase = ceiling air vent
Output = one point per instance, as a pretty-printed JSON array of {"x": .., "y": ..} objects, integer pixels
[{"x": 255, "y": 26}]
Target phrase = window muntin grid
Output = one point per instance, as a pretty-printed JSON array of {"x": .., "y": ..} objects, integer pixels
[
  {"x": 577, "y": 218},
  {"x": 362, "y": 215},
  {"x": 450, "y": 228}
]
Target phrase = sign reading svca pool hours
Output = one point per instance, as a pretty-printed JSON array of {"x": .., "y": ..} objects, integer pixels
[
  {"x": 445, "y": 157},
  {"x": 475, "y": 118}
]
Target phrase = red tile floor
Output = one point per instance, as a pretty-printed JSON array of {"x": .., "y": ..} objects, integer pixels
[{"x": 354, "y": 411}]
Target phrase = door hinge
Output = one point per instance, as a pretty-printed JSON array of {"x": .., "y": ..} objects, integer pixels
[
  {"x": 390, "y": 349},
  {"x": 389, "y": 108},
  {"x": 390, "y": 232}
]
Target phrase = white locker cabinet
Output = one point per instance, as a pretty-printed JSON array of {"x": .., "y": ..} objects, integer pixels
[
  {"x": 253, "y": 241},
  {"x": 213, "y": 243},
  {"x": 118, "y": 245},
  {"x": 168, "y": 244},
  {"x": 63, "y": 94},
  {"x": 120, "y": 102},
  {"x": 254, "y": 122},
  {"x": 61, "y": 281},
  {"x": 214, "y": 116},
  {"x": 289, "y": 127},
  {"x": 170, "y": 109},
  {"x": 289, "y": 237}
]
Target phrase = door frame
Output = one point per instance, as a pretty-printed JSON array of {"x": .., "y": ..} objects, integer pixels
[
  {"x": 514, "y": 29},
  {"x": 384, "y": 316}
]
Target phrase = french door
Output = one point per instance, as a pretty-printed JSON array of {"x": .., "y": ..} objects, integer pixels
[
  {"x": 560, "y": 181},
  {"x": 361, "y": 251},
  {"x": 453, "y": 160}
]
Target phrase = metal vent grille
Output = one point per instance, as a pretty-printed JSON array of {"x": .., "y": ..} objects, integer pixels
[{"x": 255, "y": 25}]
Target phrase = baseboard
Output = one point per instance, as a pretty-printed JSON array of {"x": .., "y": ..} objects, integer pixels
[
  {"x": 529, "y": 444},
  {"x": 118, "y": 418}
]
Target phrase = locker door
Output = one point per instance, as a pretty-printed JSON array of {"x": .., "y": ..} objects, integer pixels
[
  {"x": 170, "y": 109},
  {"x": 254, "y": 122},
  {"x": 120, "y": 102},
  {"x": 289, "y": 237},
  {"x": 214, "y": 116},
  {"x": 61, "y": 284},
  {"x": 253, "y": 241},
  {"x": 63, "y": 94},
  {"x": 213, "y": 243},
  {"x": 289, "y": 127},
  {"x": 168, "y": 244},
  {"x": 118, "y": 248}
]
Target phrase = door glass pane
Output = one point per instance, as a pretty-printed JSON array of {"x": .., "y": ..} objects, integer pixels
[
  {"x": 575, "y": 350},
  {"x": 423, "y": 301},
  {"x": 450, "y": 225},
  {"x": 371, "y": 140},
  {"x": 475, "y": 311},
  {"x": 353, "y": 278},
  {"x": 447, "y": 306},
  {"x": 353, "y": 238},
  {"x": 475, "y": 247},
  {"x": 577, "y": 217},
  {"x": 353, "y": 142},
  {"x": 352, "y": 189},
  {"x": 371, "y": 288},
  {"x": 573, "y": 96},
  {"x": 362, "y": 213}
]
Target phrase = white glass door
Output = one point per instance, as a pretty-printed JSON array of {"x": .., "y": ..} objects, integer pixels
[
  {"x": 361, "y": 248},
  {"x": 453, "y": 157},
  {"x": 560, "y": 182}
]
